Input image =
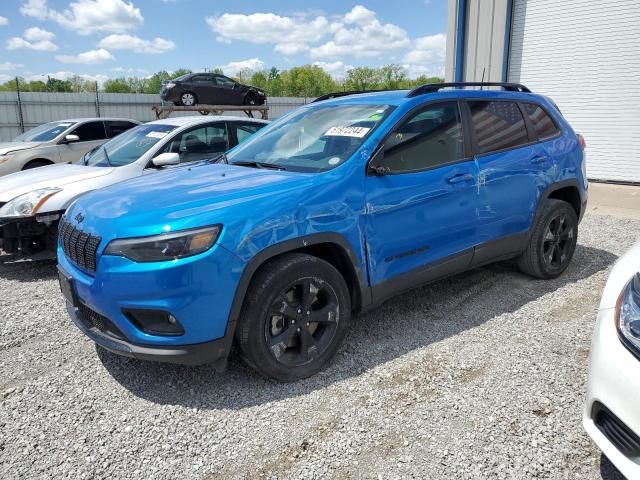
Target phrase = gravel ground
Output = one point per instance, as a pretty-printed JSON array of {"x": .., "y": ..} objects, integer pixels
[{"x": 479, "y": 376}]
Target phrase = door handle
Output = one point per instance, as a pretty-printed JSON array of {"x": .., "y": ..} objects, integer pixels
[
  {"x": 462, "y": 177},
  {"x": 539, "y": 159}
]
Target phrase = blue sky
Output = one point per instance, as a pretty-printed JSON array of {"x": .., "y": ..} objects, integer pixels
[{"x": 109, "y": 38}]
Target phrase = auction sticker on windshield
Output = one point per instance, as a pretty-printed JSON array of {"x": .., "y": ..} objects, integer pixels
[
  {"x": 157, "y": 134},
  {"x": 357, "y": 132}
]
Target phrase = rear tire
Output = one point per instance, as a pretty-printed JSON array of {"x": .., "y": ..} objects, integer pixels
[
  {"x": 296, "y": 314},
  {"x": 553, "y": 241},
  {"x": 36, "y": 164}
]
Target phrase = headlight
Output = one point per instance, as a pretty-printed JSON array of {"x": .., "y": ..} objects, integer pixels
[
  {"x": 168, "y": 246},
  {"x": 28, "y": 204},
  {"x": 6, "y": 157},
  {"x": 628, "y": 313},
  {"x": 169, "y": 85}
]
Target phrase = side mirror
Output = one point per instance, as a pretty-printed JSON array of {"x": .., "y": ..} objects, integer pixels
[
  {"x": 376, "y": 164},
  {"x": 71, "y": 138},
  {"x": 165, "y": 159}
]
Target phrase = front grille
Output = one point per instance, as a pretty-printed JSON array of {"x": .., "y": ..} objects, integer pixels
[
  {"x": 617, "y": 432},
  {"x": 93, "y": 319},
  {"x": 79, "y": 247}
]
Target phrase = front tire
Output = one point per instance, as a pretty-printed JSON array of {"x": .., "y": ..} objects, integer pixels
[
  {"x": 296, "y": 314},
  {"x": 553, "y": 241},
  {"x": 188, "y": 99},
  {"x": 250, "y": 99}
]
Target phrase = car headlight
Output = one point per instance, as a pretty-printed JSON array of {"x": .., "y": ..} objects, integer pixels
[
  {"x": 28, "y": 204},
  {"x": 169, "y": 85},
  {"x": 167, "y": 246},
  {"x": 5, "y": 157},
  {"x": 628, "y": 313}
]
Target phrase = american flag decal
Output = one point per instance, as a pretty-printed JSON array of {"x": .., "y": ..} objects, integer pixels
[{"x": 498, "y": 125}]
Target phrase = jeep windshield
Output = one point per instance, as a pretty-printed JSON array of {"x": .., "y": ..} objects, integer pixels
[
  {"x": 312, "y": 139},
  {"x": 127, "y": 147}
]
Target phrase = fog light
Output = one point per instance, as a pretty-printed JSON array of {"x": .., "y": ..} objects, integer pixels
[{"x": 154, "y": 322}]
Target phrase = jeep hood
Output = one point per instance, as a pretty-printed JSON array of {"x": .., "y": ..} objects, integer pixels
[
  {"x": 26, "y": 181},
  {"x": 182, "y": 198},
  {"x": 6, "y": 147}
]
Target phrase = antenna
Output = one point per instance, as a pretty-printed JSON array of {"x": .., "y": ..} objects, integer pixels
[{"x": 482, "y": 81}]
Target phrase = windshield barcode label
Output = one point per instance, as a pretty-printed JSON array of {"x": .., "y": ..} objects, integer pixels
[{"x": 358, "y": 132}]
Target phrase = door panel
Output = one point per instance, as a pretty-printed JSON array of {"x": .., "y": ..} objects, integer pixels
[
  {"x": 510, "y": 169},
  {"x": 92, "y": 134},
  {"x": 424, "y": 209}
]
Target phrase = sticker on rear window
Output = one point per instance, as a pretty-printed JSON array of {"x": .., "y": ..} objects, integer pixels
[
  {"x": 156, "y": 134},
  {"x": 357, "y": 132}
]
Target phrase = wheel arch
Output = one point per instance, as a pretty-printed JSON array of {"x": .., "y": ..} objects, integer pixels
[
  {"x": 331, "y": 247},
  {"x": 567, "y": 190},
  {"x": 46, "y": 161}
]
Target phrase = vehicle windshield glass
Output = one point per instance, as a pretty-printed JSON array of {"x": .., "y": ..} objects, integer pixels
[
  {"x": 44, "y": 133},
  {"x": 312, "y": 139},
  {"x": 183, "y": 77},
  {"x": 129, "y": 146}
]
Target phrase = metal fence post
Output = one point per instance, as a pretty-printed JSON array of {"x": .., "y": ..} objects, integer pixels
[
  {"x": 97, "y": 101},
  {"x": 20, "y": 117}
]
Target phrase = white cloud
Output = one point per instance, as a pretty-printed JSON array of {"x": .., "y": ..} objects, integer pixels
[
  {"x": 35, "y": 34},
  {"x": 5, "y": 78},
  {"x": 290, "y": 35},
  {"x": 137, "y": 44},
  {"x": 427, "y": 56},
  {"x": 360, "y": 34},
  {"x": 92, "y": 56},
  {"x": 335, "y": 69},
  {"x": 88, "y": 16},
  {"x": 4, "y": 21},
  {"x": 9, "y": 66},
  {"x": 427, "y": 49},
  {"x": 33, "y": 38},
  {"x": 232, "y": 68}
]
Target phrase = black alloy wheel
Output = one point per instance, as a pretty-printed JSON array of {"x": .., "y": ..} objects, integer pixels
[
  {"x": 552, "y": 241},
  {"x": 295, "y": 316},
  {"x": 302, "y": 322}
]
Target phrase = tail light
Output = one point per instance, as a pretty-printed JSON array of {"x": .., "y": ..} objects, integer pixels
[{"x": 582, "y": 142}]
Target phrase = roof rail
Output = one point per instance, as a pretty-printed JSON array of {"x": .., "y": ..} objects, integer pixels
[
  {"x": 343, "y": 94},
  {"x": 434, "y": 87}
]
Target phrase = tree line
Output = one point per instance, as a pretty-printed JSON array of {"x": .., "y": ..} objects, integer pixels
[{"x": 303, "y": 81}]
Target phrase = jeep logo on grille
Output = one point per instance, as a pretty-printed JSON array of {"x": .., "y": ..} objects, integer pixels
[{"x": 79, "y": 218}]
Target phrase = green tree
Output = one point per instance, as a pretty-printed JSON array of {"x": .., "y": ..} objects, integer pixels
[
  {"x": 57, "y": 85},
  {"x": 392, "y": 77},
  {"x": 362, "y": 78},
  {"x": 117, "y": 85},
  {"x": 79, "y": 84},
  {"x": 307, "y": 81}
]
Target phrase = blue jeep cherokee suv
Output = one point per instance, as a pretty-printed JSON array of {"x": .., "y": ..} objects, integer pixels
[{"x": 329, "y": 210}]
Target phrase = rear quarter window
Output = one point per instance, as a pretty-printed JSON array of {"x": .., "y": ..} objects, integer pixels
[{"x": 543, "y": 124}]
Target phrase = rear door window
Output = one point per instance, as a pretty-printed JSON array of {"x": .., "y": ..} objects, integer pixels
[
  {"x": 91, "y": 131},
  {"x": 497, "y": 125},
  {"x": 116, "y": 127},
  {"x": 245, "y": 130},
  {"x": 542, "y": 123}
]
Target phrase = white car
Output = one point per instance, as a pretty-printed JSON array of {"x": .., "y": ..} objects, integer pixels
[
  {"x": 612, "y": 411},
  {"x": 32, "y": 202},
  {"x": 64, "y": 141}
]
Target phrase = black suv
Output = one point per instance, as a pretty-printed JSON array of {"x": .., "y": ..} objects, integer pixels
[{"x": 209, "y": 89}]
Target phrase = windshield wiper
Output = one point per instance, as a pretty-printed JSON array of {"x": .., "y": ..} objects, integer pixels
[
  {"x": 253, "y": 164},
  {"x": 222, "y": 156},
  {"x": 106, "y": 156}
]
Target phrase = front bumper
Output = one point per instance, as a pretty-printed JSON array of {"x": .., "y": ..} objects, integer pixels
[
  {"x": 198, "y": 291},
  {"x": 214, "y": 352},
  {"x": 614, "y": 382},
  {"x": 169, "y": 94}
]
